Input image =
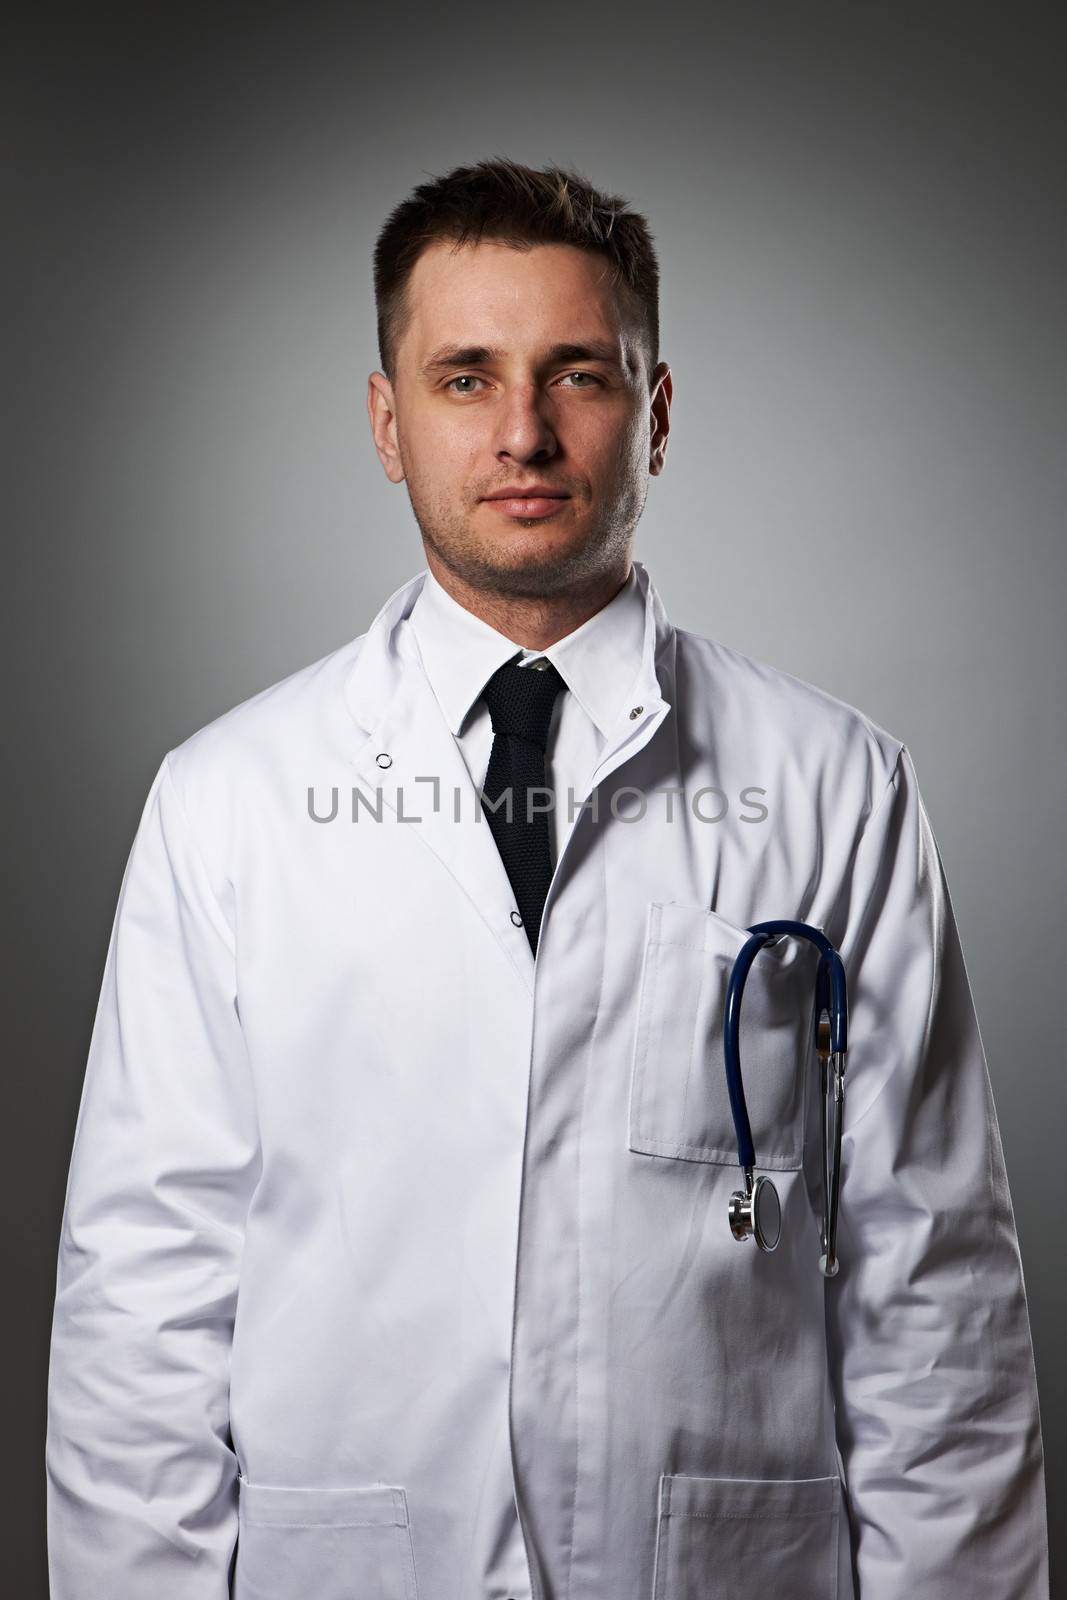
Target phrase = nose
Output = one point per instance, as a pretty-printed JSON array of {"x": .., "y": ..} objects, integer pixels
[{"x": 524, "y": 430}]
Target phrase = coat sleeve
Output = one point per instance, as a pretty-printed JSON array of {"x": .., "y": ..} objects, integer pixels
[
  {"x": 930, "y": 1351},
  {"x": 140, "y": 1474}
]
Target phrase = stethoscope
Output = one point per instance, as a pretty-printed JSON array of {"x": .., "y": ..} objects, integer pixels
[{"x": 756, "y": 1210}]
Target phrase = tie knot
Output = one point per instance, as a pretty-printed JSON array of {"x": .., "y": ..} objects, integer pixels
[{"x": 520, "y": 700}]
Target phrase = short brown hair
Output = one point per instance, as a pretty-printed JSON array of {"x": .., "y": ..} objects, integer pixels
[{"x": 520, "y": 206}]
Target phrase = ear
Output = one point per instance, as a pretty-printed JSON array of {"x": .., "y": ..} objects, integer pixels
[
  {"x": 381, "y": 409},
  {"x": 660, "y": 402}
]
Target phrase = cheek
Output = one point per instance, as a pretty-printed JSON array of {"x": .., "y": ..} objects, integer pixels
[
  {"x": 440, "y": 451},
  {"x": 630, "y": 447},
  {"x": 612, "y": 439},
  {"x": 451, "y": 438}
]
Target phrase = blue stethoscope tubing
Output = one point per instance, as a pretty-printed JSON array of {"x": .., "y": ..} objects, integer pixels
[{"x": 755, "y": 1211}]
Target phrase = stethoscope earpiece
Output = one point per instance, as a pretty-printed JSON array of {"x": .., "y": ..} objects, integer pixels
[{"x": 755, "y": 1210}]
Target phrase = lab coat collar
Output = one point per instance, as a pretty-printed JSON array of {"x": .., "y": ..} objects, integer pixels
[
  {"x": 598, "y": 661},
  {"x": 387, "y": 648},
  {"x": 411, "y": 769}
]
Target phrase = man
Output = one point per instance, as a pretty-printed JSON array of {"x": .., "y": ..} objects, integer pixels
[{"x": 396, "y": 1257}]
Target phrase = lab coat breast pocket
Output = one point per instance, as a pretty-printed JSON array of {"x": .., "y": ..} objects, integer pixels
[
  {"x": 679, "y": 1101},
  {"x": 733, "y": 1537},
  {"x": 333, "y": 1544}
]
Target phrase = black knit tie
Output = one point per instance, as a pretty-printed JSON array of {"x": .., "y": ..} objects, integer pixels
[{"x": 520, "y": 701}]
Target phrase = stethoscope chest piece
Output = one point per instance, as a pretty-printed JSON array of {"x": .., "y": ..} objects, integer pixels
[{"x": 756, "y": 1213}]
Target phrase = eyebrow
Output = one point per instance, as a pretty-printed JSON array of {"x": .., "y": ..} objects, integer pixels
[{"x": 477, "y": 355}]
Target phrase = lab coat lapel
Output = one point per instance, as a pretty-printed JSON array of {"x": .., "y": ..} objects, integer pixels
[
  {"x": 648, "y": 703},
  {"x": 409, "y": 767}
]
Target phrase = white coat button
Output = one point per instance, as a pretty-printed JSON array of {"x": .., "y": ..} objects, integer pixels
[
  {"x": 384, "y": 760},
  {"x": 516, "y": 919}
]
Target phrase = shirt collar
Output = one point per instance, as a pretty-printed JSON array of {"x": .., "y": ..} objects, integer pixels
[{"x": 598, "y": 661}]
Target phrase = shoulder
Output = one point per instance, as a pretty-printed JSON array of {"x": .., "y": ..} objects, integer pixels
[
  {"x": 737, "y": 702},
  {"x": 273, "y": 738}
]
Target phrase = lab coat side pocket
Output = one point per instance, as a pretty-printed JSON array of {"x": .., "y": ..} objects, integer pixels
[
  {"x": 679, "y": 1102},
  {"x": 747, "y": 1536},
  {"x": 334, "y": 1544}
]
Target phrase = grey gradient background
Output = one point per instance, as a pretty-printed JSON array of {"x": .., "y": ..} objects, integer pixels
[{"x": 860, "y": 217}]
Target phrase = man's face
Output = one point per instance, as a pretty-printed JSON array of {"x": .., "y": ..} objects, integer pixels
[{"x": 486, "y": 397}]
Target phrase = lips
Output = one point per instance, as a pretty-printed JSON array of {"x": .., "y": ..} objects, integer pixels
[
  {"x": 534, "y": 492},
  {"x": 529, "y": 505}
]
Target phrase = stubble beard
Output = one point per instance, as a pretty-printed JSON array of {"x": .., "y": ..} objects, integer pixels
[{"x": 477, "y": 562}]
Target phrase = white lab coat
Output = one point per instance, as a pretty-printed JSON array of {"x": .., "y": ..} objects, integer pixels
[{"x": 395, "y": 1266}]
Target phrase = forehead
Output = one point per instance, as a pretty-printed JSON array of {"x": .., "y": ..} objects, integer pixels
[{"x": 493, "y": 294}]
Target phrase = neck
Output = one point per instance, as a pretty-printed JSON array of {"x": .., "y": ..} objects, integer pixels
[{"x": 534, "y": 621}]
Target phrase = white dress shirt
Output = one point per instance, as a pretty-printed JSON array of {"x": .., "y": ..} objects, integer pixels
[{"x": 598, "y": 662}]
